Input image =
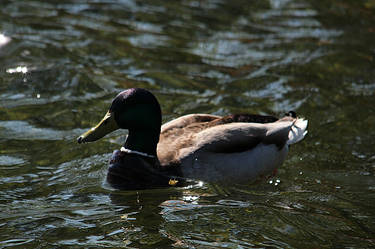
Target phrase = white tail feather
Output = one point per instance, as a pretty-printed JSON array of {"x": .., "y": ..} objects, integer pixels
[{"x": 297, "y": 131}]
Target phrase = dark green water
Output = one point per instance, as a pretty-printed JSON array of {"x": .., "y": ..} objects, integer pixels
[{"x": 61, "y": 63}]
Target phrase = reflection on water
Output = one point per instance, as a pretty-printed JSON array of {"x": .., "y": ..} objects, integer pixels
[
  {"x": 62, "y": 62},
  {"x": 18, "y": 69},
  {"x": 3, "y": 40}
]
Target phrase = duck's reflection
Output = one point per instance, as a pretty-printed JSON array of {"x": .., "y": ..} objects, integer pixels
[{"x": 147, "y": 213}]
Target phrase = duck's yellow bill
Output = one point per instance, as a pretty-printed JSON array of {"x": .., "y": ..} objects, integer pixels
[{"x": 105, "y": 126}]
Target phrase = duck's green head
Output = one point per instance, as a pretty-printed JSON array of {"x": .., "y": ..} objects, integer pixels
[{"x": 135, "y": 109}]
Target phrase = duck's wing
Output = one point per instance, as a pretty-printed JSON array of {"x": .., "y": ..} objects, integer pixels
[
  {"x": 234, "y": 135},
  {"x": 179, "y": 132},
  {"x": 180, "y": 140},
  {"x": 231, "y": 150},
  {"x": 187, "y": 120},
  {"x": 240, "y": 151},
  {"x": 239, "y": 137}
]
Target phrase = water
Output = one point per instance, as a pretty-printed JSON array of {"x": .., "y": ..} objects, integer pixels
[{"x": 61, "y": 63}]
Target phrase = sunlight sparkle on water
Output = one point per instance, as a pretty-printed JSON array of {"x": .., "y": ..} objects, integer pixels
[
  {"x": 274, "y": 182},
  {"x": 4, "y": 40},
  {"x": 19, "y": 69},
  {"x": 192, "y": 198}
]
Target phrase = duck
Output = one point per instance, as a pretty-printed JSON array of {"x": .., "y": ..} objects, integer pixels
[{"x": 198, "y": 147}]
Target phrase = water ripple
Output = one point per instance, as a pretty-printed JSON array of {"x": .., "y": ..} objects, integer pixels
[
  {"x": 10, "y": 160},
  {"x": 22, "y": 130},
  {"x": 63, "y": 62}
]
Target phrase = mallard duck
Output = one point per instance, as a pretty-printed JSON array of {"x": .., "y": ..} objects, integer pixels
[{"x": 196, "y": 146}]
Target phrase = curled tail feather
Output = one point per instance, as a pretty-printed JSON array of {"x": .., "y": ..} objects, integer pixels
[{"x": 298, "y": 131}]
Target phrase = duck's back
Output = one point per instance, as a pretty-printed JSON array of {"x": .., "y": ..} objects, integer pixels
[
  {"x": 179, "y": 134},
  {"x": 184, "y": 134},
  {"x": 209, "y": 147}
]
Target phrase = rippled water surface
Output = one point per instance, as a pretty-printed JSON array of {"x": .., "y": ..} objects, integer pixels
[{"x": 62, "y": 62}]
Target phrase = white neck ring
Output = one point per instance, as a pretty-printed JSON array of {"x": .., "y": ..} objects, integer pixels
[{"x": 123, "y": 149}]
